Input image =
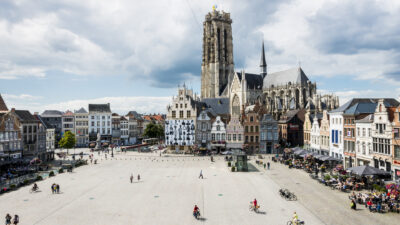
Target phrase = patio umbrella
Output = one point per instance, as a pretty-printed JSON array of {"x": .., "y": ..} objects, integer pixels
[
  {"x": 300, "y": 152},
  {"x": 320, "y": 156},
  {"x": 367, "y": 170}
]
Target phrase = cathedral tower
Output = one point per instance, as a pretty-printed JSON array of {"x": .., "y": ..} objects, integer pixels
[{"x": 217, "y": 62}]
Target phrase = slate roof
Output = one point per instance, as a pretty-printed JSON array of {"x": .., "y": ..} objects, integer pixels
[
  {"x": 134, "y": 114},
  {"x": 81, "y": 110},
  {"x": 49, "y": 113},
  {"x": 358, "y": 106},
  {"x": 219, "y": 105},
  {"x": 104, "y": 108},
  {"x": 292, "y": 113},
  {"x": 123, "y": 118},
  {"x": 45, "y": 124},
  {"x": 294, "y": 76},
  {"x": 367, "y": 119},
  {"x": 25, "y": 116},
  {"x": 254, "y": 81},
  {"x": 3, "y": 106}
]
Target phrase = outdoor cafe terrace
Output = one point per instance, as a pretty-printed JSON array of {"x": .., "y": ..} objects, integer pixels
[{"x": 366, "y": 183}]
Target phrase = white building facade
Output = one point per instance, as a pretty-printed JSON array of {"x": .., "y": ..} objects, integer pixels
[
  {"x": 336, "y": 134},
  {"x": 100, "y": 122},
  {"x": 382, "y": 138},
  {"x": 364, "y": 140},
  {"x": 81, "y": 127},
  {"x": 218, "y": 135},
  {"x": 124, "y": 130},
  {"x": 315, "y": 136}
]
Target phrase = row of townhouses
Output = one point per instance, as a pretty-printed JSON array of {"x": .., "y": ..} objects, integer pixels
[
  {"x": 26, "y": 135},
  {"x": 207, "y": 125},
  {"x": 363, "y": 131}
]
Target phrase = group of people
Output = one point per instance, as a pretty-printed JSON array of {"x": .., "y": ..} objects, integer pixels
[
  {"x": 376, "y": 202},
  {"x": 131, "y": 178},
  {"x": 9, "y": 219},
  {"x": 55, "y": 188}
]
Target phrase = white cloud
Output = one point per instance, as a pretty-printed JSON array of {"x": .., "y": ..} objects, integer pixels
[{"x": 21, "y": 97}]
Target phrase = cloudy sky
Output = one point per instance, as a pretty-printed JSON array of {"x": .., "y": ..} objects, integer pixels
[{"x": 64, "y": 54}]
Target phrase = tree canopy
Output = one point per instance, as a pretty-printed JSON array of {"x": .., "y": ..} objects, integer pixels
[
  {"x": 154, "y": 130},
  {"x": 68, "y": 140}
]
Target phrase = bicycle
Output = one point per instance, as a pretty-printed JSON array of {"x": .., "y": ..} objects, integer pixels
[
  {"x": 32, "y": 190},
  {"x": 253, "y": 208},
  {"x": 285, "y": 193},
  {"x": 296, "y": 223}
]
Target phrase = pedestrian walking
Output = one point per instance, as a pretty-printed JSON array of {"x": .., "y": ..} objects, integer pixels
[
  {"x": 201, "y": 174},
  {"x": 138, "y": 177},
  {"x": 131, "y": 178},
  {"x": 265, "y": 165},
  {"x": 58, "y": 188},
  {"x": 8, "y": 219},
  {"x": 53, "y": 188},
  {"x": 268, "y": 165},
  {"x": 16, "y": 220}
]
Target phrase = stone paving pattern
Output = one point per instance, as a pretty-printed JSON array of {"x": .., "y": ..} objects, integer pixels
[{"x": 169, "y": 188}]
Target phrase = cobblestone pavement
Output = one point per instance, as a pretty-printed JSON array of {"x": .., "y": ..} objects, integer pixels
[
  {"x": 330, "y": 206},
  {"x": 169, "y": 188}
]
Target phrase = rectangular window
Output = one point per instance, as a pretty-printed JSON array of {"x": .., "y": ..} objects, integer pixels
[
  {"x": 234, "y": 137},
  {"x": 256, "y": 139},
  {"x": 188, "y": 114},
  {"x": 333, "y": 136},
  {"x": 173, "y": 114},
  {"x": 181, "y": 114},
  {"x": 251, "y": 138},
  {"x": 246, "y": 129},
  {"x": 257, "y": 129},
  {"x": 229, "y": 137},
  {"x": 396, "y": 133},
  {"x": 251, "y": 129},
  {"x": 185, "y": 105},
  {"x": 336, "y": 136},
  {"x": 213, "y": 137},
  {"x": 239, "y": 137},
  {"x": 251, "y": 119},
  {"x": 247, "y": 139},
  {"x": 397, "y": 151}
]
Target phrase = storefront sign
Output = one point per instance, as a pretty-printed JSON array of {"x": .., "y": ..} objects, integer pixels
[{"x": 397, "y": 162}]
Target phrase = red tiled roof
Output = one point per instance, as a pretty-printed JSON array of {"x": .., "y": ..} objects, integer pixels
[{"x": 68, "y": 113}]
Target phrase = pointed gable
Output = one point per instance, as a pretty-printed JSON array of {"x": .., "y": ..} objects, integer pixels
[{"x": 3, "y": 106}]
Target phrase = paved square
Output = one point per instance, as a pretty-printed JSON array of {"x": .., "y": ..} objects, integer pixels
[{"x": 168, "y": 189}]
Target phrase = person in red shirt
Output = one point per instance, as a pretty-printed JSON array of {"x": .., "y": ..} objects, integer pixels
[
  {"x": 196, "y": 212},
  {"x": 369, "y": 204},
  {"x": 255, "y": 203}
]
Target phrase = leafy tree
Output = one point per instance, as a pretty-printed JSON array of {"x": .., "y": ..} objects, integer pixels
[
  {"x": 154, "y": 130},
  {"x": 67, "y": 141}
]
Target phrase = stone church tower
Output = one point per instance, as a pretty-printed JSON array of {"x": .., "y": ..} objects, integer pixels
[{"x": 217, "y": 62}]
